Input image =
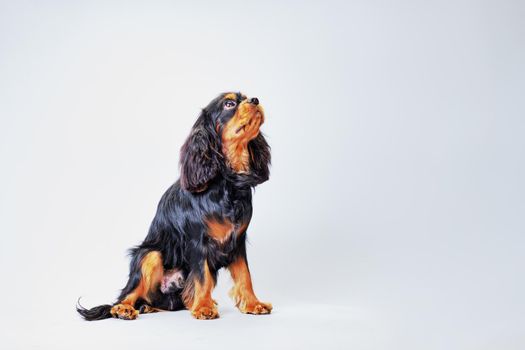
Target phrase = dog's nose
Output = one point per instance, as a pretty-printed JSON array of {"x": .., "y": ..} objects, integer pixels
[{"x": 254, "y": 100}]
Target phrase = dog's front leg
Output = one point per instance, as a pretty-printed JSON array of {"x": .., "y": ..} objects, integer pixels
[
  {"x": 197, "y": 295},
  {"x": 242, "y": 291}
]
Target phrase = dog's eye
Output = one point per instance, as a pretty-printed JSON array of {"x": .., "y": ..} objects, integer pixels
[{"x": 229, "y": 104}]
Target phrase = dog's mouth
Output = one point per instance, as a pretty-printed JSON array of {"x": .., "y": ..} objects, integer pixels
[{"x": 242, "y": 128}]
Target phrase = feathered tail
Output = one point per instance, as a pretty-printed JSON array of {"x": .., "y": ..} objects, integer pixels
[{"x": 96, "y": 313}]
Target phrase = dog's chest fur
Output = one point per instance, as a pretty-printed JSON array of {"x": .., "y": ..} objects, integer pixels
[
  {"x": 228, "y": 223},
  {"x": 233, "y": 214}
]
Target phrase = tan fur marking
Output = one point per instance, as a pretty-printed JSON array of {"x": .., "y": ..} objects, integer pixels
[
  {"x": 219, "y": 231},
  {"x": 146, "y": 309},
  {"x": 197, "y": 296},
  {"x": 238, "y": 131},
  {"x": 152, "y": 272},
  {"x": 242, "y": 291},
  {"x": 124, "y": 311},
  {"x": 230, "y": 96}
]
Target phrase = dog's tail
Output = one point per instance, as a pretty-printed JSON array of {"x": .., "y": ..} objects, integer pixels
[{"x": 100, "y": 312}]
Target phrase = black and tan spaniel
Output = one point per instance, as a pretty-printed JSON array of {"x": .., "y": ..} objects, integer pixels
[{"x": 201, "y": 221}]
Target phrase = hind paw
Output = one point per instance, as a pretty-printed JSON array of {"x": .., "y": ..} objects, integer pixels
[{"x": 124, "y": 312}]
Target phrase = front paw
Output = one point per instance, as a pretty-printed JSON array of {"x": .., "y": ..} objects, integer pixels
[
  {"x": 205, "y": 312},
  {"x": 258, "y": 308}
]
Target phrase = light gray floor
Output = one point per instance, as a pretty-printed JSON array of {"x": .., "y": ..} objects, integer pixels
[
  {"x": 414, "y": 320},
  {"x": 291, "y": 326}
]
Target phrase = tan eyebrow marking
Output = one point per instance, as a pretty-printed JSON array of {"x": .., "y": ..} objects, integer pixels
[{"x": 231, "y": 96}]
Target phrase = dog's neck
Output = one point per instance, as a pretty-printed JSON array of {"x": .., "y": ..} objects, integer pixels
[{"x": 237, "y": 156}]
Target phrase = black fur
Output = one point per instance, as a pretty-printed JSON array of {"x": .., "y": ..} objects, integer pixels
[
  {"x": 96, "y": 313},
  {"x": 207, "y": 188}
]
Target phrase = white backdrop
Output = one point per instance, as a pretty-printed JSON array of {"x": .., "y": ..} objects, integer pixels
[{"x": 394, "y": 216}]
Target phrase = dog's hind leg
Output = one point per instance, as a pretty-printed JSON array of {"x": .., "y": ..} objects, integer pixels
[
  {"x": 149, "y": 273},
  {"x": 147, "y": 309}
]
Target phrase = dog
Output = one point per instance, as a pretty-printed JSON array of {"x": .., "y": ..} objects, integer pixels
[{"x": 201, "y": 221}]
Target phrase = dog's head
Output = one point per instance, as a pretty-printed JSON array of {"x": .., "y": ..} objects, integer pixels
[{"x": 226, "y": 140}]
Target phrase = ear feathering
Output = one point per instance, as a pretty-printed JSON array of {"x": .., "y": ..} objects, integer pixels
[
  {"x": 199, "y": 162},
  {"x": 260, "y": 158}
]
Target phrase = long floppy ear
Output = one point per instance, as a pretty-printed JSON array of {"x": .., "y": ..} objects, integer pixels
[
  {"x": 199, "y": 162},
  {"x": 260, "y": 158}
]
